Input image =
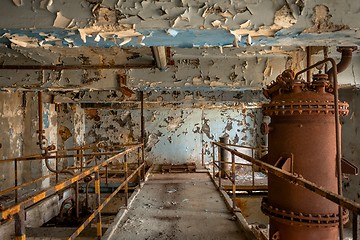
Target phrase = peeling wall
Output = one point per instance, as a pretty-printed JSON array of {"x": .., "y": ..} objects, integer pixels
[
  {"x": 19, "y": 125},
  {"x": 66, "y": 125},
  {"x": 112, "y": 126},
  {"x": 350, "y": 140},
  {"x": 36, "y": 169},
  {"x": 176, "y": 133},
  {"x": 71, "y": 129},
  {"x": 11, "y": 140},
  {"x": 201, "y": 69},
  {"x": 242, "y": 126}
]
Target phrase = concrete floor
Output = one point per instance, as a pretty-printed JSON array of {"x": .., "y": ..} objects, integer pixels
[{"x": 178, "y": 206}]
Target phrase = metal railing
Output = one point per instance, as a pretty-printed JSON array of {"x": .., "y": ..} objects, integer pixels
[
  {"x": 217, "y": 164},
  {"x": 87, "y": 164},
  {"x": 292, "y": 178}
]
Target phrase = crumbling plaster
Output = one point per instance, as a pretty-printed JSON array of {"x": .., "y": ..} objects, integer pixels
[
  {"x": 11, "y": 140},
  {"x": 177, "y": 129},
  {"x": 19, "y": 125},
  {"x": 178, "y": 135},
  {"x": 193, "y": 69}
]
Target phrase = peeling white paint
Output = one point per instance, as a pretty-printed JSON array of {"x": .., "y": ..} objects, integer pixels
[
  {"x": 284, "y": 18},
  {"x": 61, "y": 21},
  {"x": 18, "y": 3}
]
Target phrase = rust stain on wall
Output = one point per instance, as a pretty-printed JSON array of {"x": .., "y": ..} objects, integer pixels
[{"x": 321, "y": 19}]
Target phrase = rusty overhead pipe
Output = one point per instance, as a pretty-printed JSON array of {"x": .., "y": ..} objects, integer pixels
[{"x": 346, "y": 58}]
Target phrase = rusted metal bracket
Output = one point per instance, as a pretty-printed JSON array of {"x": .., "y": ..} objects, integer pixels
[
  {"x": 284, "y": 159},
  {"x": 124, "y": 89},
  {"x": 348, "y": 168}
]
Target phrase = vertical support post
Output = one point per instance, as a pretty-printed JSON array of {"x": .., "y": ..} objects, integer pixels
[
  {"x": 106, "y": 174},
  {"x": 252, "y": 168},
  {"x": 233, "y": 180},
  {"x": 79, "y": 159},
  {"x": 355, "y": 227},
  {"x": 82, "y": 159},
  {"x": 97, "y": 192},
  {"x": 308, "y": 63},
  {"x": 338, "y": 146},
  {"x": 224, "y": 157},
  {"x": 20, "y": 224},
  {"x": 138, "y": 167},
  {"x": 213, "y": 158},
  {"x": 219, "y": 164},
  {"x": 202, "y": 155},
  {"x": 77, "y": 203},
  {"x": 16, "y": 180},
  {"x": 127, "y": 181},
  {"x": 142, "y": 128},
  {"x": 143, "y": 161},
  {"x": 56, "y": 168}
]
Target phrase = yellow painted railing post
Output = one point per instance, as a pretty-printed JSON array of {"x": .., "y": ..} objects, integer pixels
[
  {"x": 20, "y": 224},
  {"x": 127, "y": 181},
  {"x": 219, "y": 162},
  {"x": 139, "y": 170},
  {"x": 98, "y": 203},
  {"x": 233, "y": 180}
]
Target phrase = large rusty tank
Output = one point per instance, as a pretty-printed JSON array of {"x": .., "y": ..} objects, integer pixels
[{"x": 302, "y": 140}]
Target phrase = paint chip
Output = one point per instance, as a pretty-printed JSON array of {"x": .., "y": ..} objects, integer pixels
[
  {"x": 22, "y": 41},
  {"x": 18, "y": 3},
  {"x": 249, "y": 40},
  {"x": 216, "y": 23},
  {"x": 125, "y": 41},
  {"x": 97, "y": 38},
  {"x": 227, "y": 14},
  {"x": 98, "y": 31},
  {"x": 140, "y": 40},
  {"x": 172, "y": 32},
  {"x": 245, "y": 24},
  {"x": 49, "y": 5},
  {"x": 61, "y": 21},
  {"x": 284, "y": 17},
  {"x": 237, "y": 38}
]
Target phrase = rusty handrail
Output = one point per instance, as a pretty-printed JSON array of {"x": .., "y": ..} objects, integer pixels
[
  {"x": 247, "y": 147},
  {"x": 8, "y": 190},
  {"x": 232, "y": 175},
  {"x": 8, "y": 212},
  {"x": 92, "y": 146},
  {"x": 42, "y": 157},
  {"x": 106, "y": 201},
  {"x": 18, "y": 210},
  {"x": 299, "y": 180}
]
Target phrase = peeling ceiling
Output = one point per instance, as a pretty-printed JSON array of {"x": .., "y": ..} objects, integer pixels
[{"x": 211, "y": 45}]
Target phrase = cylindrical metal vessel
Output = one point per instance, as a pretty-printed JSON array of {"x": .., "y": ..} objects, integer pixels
[{"x": 302, "y": 141}]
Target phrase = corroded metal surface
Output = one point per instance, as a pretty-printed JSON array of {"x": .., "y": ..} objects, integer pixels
[
  {"x": 303, "y": 127},
  {"x": 225, "y": 157}
]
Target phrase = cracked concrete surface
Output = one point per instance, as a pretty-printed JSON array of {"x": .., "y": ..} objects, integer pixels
[{"x": 178, "y": 206}]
